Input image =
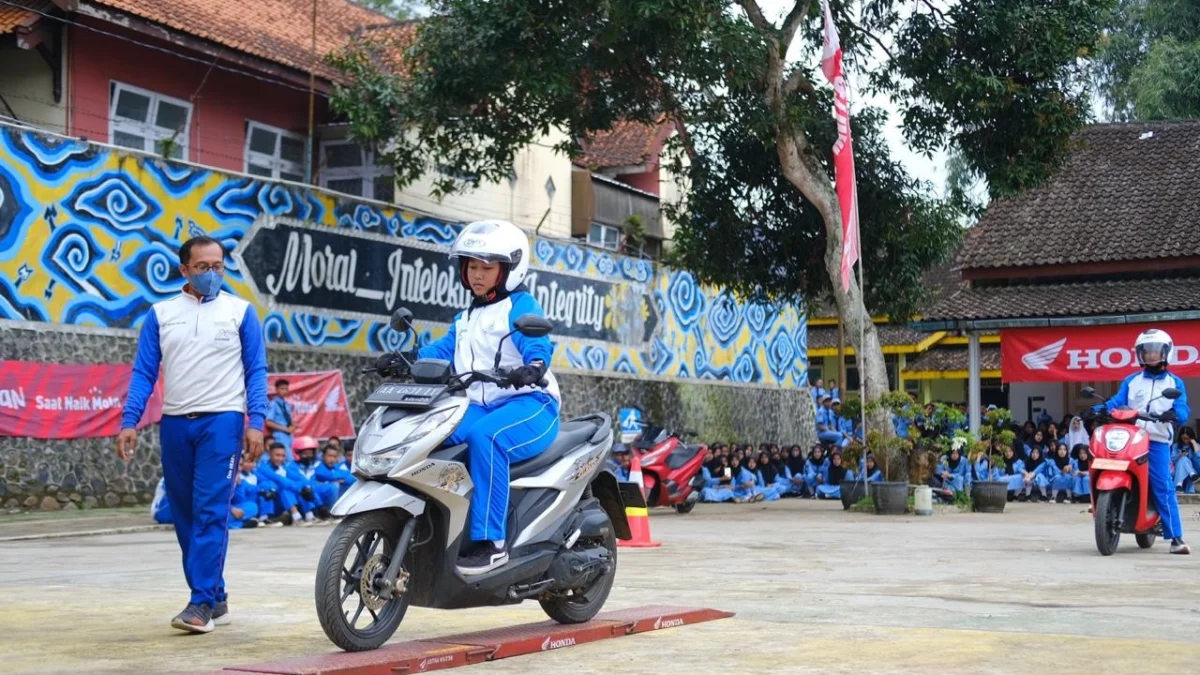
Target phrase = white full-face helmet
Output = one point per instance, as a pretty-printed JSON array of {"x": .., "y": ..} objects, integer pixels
[
  {"x": 493, "y": 241},
  {"x": 1154, "y": 341}
]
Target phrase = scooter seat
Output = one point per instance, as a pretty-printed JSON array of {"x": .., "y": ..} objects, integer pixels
[{"x": 570, "y": 436}]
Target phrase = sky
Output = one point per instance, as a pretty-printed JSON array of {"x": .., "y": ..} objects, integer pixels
[{"x": 918, "y": 165}]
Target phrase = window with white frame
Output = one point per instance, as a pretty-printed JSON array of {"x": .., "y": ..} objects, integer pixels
[
  {"x": 274, "y": 153},
  {"x": 146, "y": 121},
  {"x": 604, "y": 236},
  {"x": 351, "y": 169}
]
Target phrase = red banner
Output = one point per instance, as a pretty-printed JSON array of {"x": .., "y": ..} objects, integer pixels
[
  {"x": 843, "y": 152},
  {"x": 44, "y": 400},
  {"x": 1090, "y": 353},
  {"x": 319, "y": 407}
]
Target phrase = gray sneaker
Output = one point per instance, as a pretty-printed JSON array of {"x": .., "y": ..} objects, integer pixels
[
  {"x": 194, "y": 619},
  {"x": 1180, "y": 548},
  {"x": 220, "y": 614}
]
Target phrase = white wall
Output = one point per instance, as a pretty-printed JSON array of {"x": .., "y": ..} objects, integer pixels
[
  {"x": 671, "y": 186},
  {"x": 524, "y": 203},
  {"x": 26, "y": 83}
]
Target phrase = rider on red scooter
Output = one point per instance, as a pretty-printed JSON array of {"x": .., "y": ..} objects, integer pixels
[{"x": 1142, "y": 391}]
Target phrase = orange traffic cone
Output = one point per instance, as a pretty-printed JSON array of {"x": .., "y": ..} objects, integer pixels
[{"x": 638, "y": 516}]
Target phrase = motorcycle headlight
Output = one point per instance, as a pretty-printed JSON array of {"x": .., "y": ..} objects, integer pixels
[
  {"x": 1116, "y": 440},
  {"x": 382, "y": 461}
]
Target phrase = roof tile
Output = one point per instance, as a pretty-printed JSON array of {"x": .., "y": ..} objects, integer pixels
[
  {"x": 1095, "y": 298},
  {"x": 1129, "y": 192},
  {"x": 276, "y": 30},
  {"x": 826, "y": 337},
  {"x": 953, "y": 358},
  {"x": 626, "y": 144},
  {"x": 13, "y": 17}
]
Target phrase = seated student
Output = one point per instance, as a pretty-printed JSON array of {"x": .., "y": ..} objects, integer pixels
[
  {"x": 1013, "y": 471},
  {"x": 304, "y": 470},
  {"x": 279, "y": 492},
  {"x": 160, "y": 508},
  {"x": 1189, "y": 447},
  {"x": 1062, "y": 478},
  {"x": 769, "y": 476},
  {"x": 1079, "y": 469},
  {"x": 871, "y": 470},
  {"x": 1183, "y": 456},
  {"x": 761, "y": 486},
  {"x": 717, "y": 481},
  {"x": 248, "y": 475},
  {"x": 982, "y": 469},
  {"x": 815, "y": 470},
  {"x": 1035, "y": 478},
  {"x": 243, "y": 508},
  {"x": 330, "y": 472},
  {"x": 625, "y": 466},
  {"x": 783, "y": 475},
  {"x": 795, "y": 464},
  {"x": 953, "y": 474},
  {"x": 743, "y": 482},
  {"x": 830, "y": 487}
]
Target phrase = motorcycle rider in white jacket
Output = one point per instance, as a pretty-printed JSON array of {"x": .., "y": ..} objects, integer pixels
[
  {"x": 1143, "y": 391},
  {"x": 502, "y": 425}
]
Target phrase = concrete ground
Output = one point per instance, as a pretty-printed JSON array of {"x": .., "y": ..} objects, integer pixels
[{"x": 816, "y": 590}]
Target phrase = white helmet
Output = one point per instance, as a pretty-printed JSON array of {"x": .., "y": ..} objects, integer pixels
[
  {"x": 497, "y": 241},
  {"x": 1154, "y": 341}
]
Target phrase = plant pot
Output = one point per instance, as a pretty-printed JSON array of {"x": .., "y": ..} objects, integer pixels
[
  {"x": 989, "y": 496},
  {"x": 853, "y": 491},
  {"x": 891, "y": 499}
]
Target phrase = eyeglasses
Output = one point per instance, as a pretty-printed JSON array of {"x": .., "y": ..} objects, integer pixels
[{"x": 203, "y": 268}]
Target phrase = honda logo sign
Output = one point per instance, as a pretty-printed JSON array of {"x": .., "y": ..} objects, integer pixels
[{"x": 1090, "y": 353}]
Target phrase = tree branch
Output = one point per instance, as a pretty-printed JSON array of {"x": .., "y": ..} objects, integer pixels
[
  {"x": 792, "y": 22},
  {"x": 874, "y": 38},
  {"x": 798, "y": 82},
  {"x": 937, "y": 11},
  {"x": 756, "y": 16}
]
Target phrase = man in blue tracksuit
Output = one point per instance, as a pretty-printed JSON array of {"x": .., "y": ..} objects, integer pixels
[
  {"x": 209, "y": 347},
  {"x": 1143, "y": 391}
]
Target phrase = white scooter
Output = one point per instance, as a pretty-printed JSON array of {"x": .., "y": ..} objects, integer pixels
[{"x": 405, "y": 517}]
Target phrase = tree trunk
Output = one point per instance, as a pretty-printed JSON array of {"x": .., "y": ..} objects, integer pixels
[{"x": 816, "y": 187}]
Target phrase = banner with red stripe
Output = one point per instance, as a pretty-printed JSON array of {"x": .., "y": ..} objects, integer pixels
[{"x": 49, "y": 400}]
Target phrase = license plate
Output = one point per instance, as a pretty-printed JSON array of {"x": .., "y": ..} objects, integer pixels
[
  {"x": 1110, "y": 464},
  {"x": 405, "y": 395}
]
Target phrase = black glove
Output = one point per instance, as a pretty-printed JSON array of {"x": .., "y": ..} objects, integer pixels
[
  {"x": 1168, "y": 416},
  {"x": 307, "y": 492},
  {"x": 526, "y": 376},
  {"x": 394, "y": 363}
]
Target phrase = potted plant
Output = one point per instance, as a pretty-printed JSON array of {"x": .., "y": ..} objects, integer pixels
[{"x": 990, "y": 496}]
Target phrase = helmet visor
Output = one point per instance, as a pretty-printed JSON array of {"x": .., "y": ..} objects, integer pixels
[{"x": 1152, "y": 353}]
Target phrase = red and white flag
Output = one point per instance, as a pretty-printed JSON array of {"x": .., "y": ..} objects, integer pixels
[{"x": 843, "y": 153}]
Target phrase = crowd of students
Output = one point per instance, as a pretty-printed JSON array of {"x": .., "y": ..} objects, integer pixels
[{"x": 279, "y": 488}]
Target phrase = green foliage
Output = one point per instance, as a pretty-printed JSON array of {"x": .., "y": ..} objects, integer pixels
[
  {"x": 397, "y": 9},
  {"x": 1148, "y": 64},
  {"x": 634, "y": 229},
  {"x": 852, "y": 407},
  {"x": 864, "y": 505},
  {"x": 489, "y": 77}
]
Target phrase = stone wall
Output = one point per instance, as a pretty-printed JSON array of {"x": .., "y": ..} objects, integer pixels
[{"x": 86, "y": 473}]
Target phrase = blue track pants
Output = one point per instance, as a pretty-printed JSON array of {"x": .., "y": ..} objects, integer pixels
[
  {"x": 1162, "y": 489},
  {"x": 512, "y": 430},
  {"x": 199, "y": 458}
]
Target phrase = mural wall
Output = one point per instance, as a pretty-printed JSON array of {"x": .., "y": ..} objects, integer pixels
[{"x": 88, "y": 236}]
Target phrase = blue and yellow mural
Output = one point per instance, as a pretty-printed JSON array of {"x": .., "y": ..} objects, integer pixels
[{"x": 89, "y": 234}]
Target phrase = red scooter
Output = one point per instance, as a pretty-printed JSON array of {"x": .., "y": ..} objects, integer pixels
[
  {"x": 670, "y": 468},
  {"x": 1120, "y": 477}
]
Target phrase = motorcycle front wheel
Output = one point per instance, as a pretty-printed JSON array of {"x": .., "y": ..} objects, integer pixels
[
  {"x": 1146, "y": 539},
  {"x": 684, "y": 507},
  {"x": 1108, "y": 536},
  {"x": 347, "y": 586}
]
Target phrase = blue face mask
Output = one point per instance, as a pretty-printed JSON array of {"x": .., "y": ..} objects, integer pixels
[{"x": 207, "y": 284}]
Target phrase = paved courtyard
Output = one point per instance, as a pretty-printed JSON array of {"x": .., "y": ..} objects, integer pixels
[{"x": 816, "y": 590}]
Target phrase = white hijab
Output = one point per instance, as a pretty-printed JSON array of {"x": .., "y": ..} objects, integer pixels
[{"x": 1076, "y": 434}]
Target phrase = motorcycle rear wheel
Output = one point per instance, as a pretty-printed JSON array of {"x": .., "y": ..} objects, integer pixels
[
  {"x": 361, "y": 543},
  {"x": 585, "y": 606},
  {"x": 1106, "y": 516},
  {"x": 684, "y": 508}
]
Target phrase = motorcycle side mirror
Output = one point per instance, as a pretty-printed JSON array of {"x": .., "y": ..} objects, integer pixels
[
  {"x": 1172, "y": 393},
  {"x": 401, "y": 321},
  {"x": 532, "y": 325},
  {"x": 1088, "y": 392}
]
